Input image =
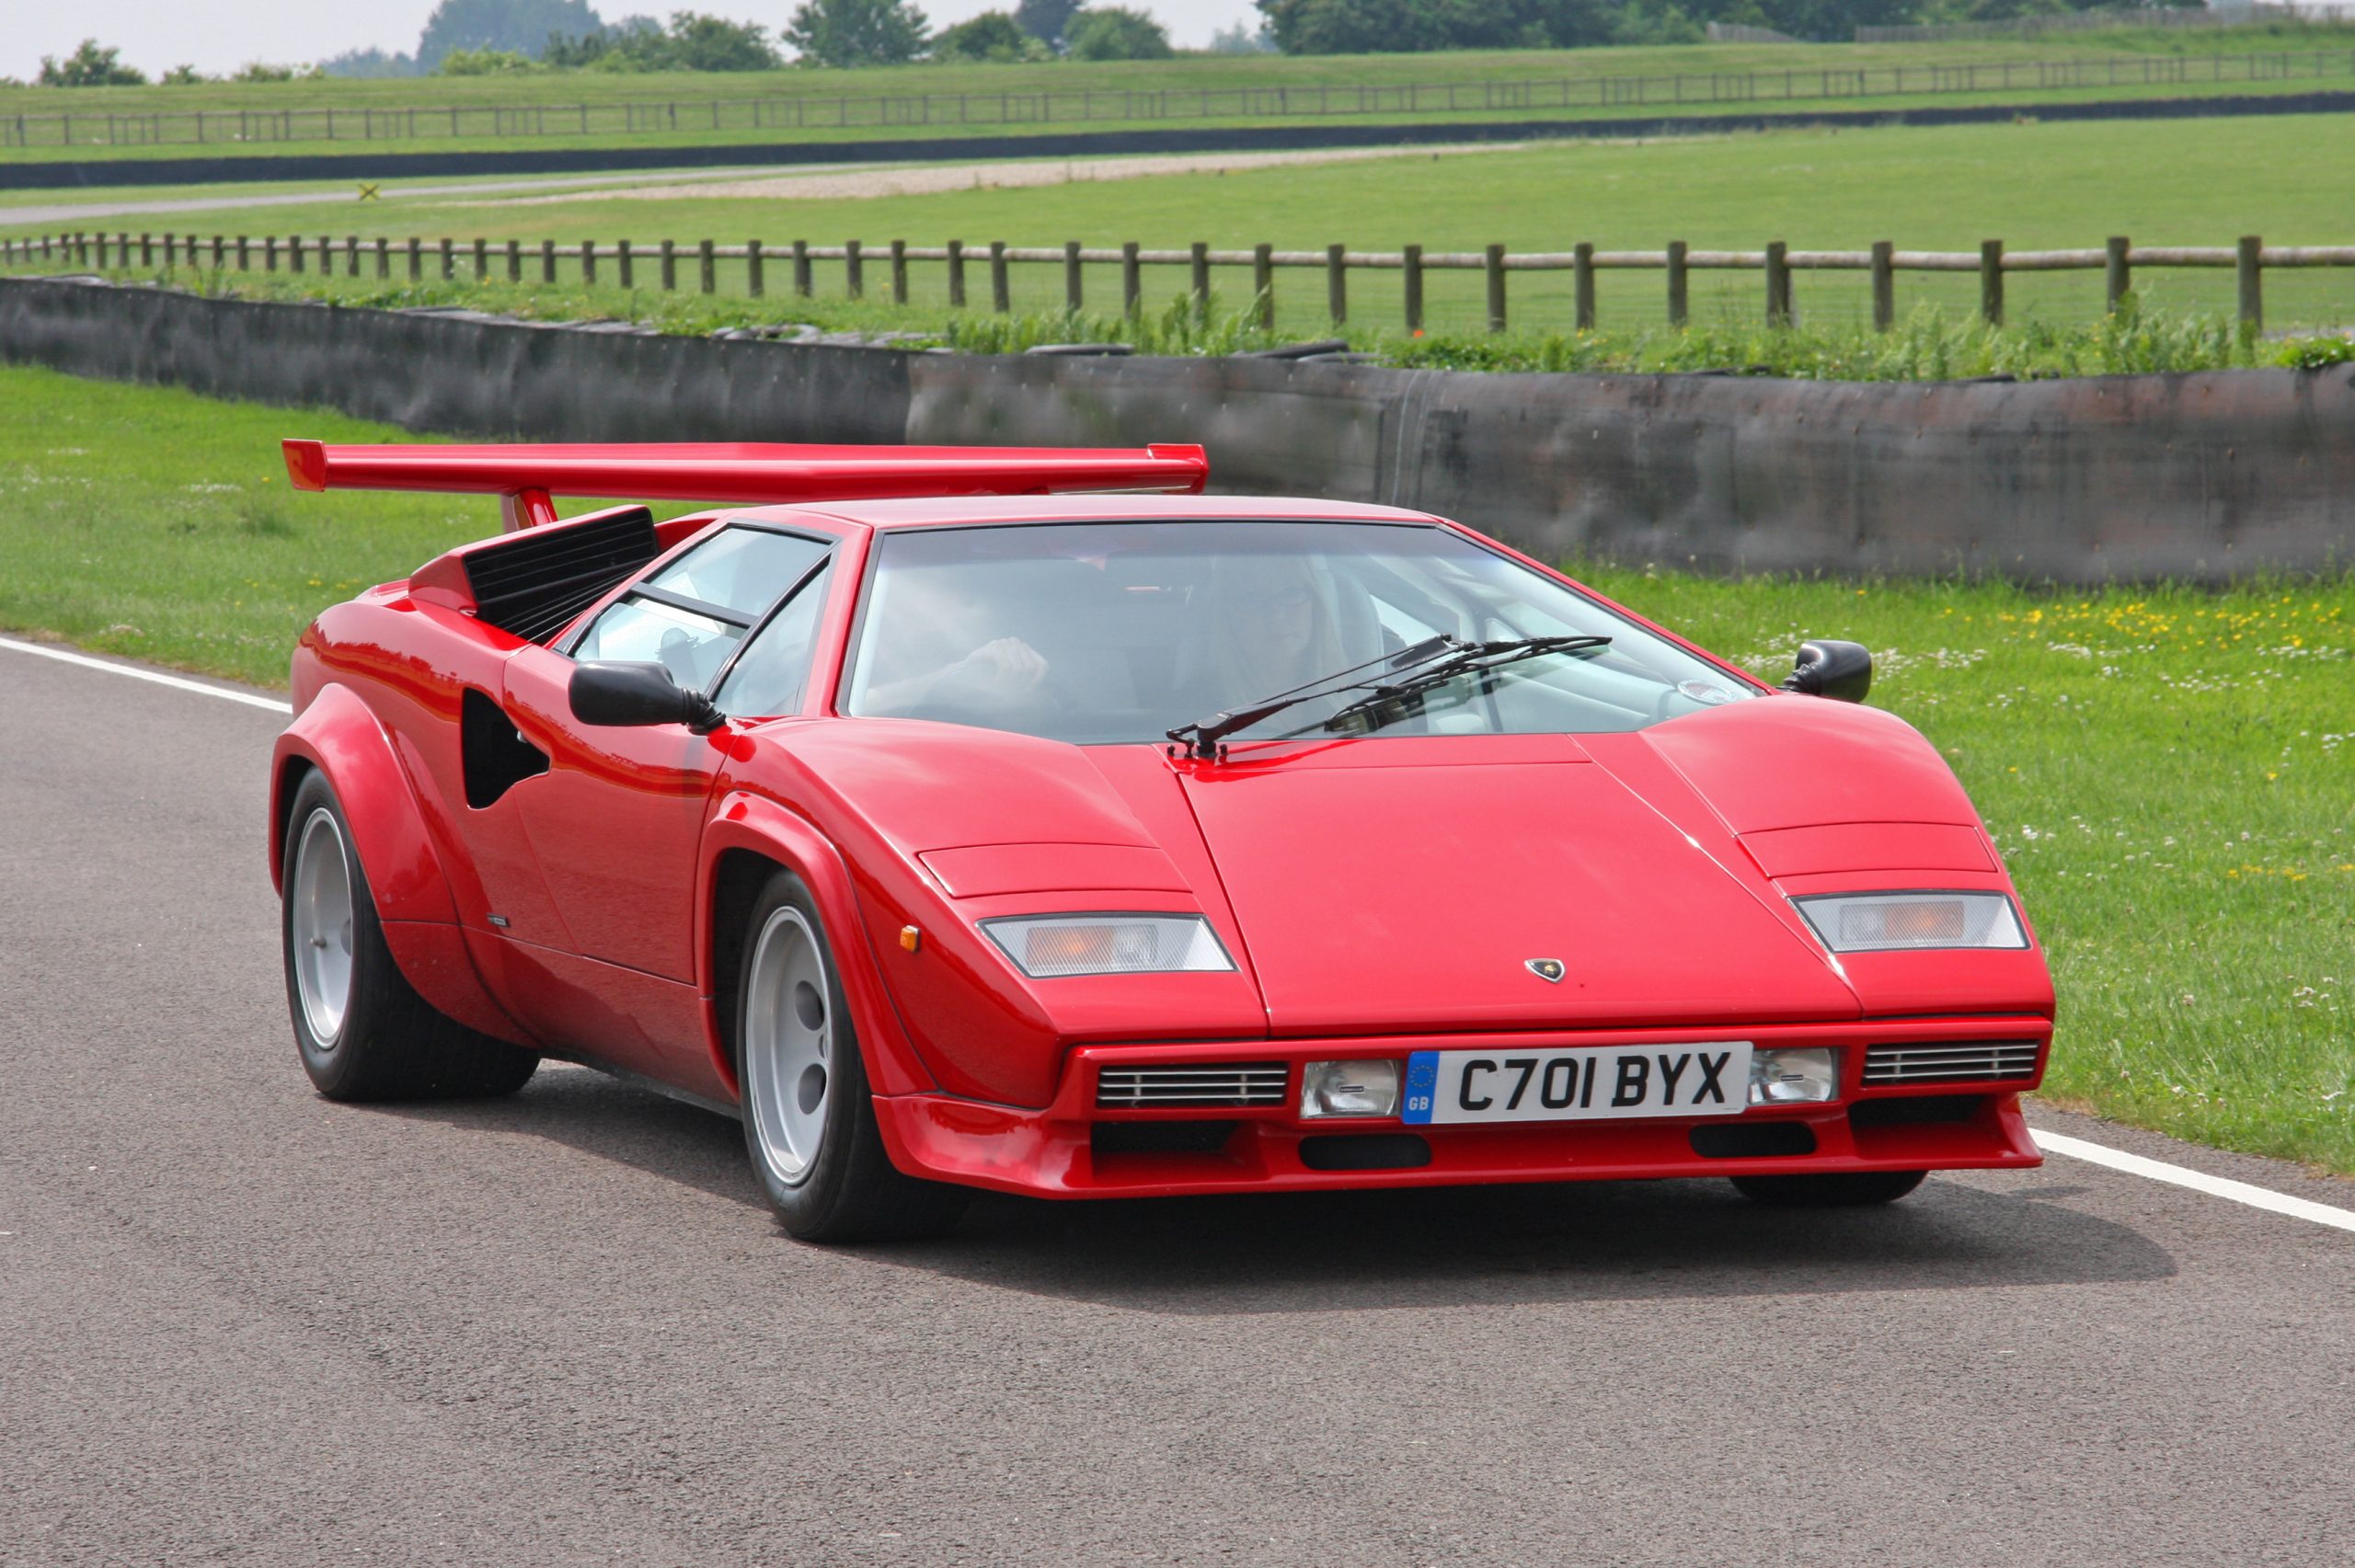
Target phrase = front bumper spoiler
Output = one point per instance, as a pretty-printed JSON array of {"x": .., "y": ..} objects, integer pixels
[{"x": 1065, "y": 1150}]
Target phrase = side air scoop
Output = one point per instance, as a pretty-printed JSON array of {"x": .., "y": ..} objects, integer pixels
[{"x": 752, "y": 473}]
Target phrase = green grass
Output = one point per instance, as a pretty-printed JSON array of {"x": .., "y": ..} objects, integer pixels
[
  {"x": 2167, "y": 769},
  {"x": 2034, "y": 186},
  {"x": 1184, "y": 74}
]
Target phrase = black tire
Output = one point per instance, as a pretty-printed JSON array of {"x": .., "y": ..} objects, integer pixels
[
  {"x": 1839, "y": 1189},
  {"x": 389, "y": 1043},
  {"x": 847, "y": 1189}
]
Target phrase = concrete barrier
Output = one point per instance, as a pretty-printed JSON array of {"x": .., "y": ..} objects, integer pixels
[{"x": 2203, "y": 477}]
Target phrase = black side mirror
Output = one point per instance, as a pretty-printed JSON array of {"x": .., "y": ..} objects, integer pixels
[
  {"x": 1828, "y": 669},
  {"x": 615, "y": 692}
]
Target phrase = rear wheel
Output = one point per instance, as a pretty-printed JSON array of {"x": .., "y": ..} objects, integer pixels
[
  {"x": 808, "y": 1123},
  {"x": 363, "y": 1033},
  {"x": 1838, "y": 1189}
]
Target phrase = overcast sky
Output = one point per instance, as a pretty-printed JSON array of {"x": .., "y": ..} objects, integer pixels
[{"x": 221, "y": 35}]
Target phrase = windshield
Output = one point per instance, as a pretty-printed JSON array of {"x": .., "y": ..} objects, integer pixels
[{"x": 1121, "y": 632}]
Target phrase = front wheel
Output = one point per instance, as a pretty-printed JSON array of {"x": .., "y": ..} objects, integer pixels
[
  {"x": 363, "y": 1032},
  {"x": 1837, "y": 1189},
  {"x": 809, "y": 1122}
]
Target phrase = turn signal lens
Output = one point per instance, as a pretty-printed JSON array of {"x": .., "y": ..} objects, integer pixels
[
  {"x": 1046, "y": 947},
  {"x": 1348, "y": 1089},
  {"x": 1794, "y": 1076},
  {"x": 1883, "y": 923}
]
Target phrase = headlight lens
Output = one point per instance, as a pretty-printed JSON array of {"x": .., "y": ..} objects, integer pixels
[
  {"x": 1348, "y": 1089},
  {"x": 1047, "y": 947},
  {"x": 1794, "y": 1075},
  {"x": 1884, "y": 922}
]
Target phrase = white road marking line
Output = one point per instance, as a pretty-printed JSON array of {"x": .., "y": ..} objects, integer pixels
[
  {"x": 2197, "y": 1181},
  {"x": 62, "y": 656}
]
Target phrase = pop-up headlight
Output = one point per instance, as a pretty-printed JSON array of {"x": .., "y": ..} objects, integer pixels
[
  {"x": 1887, "y": 922},
  {"x": 1048, "y": 947}
]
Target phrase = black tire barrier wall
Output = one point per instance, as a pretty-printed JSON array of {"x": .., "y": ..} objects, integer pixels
[
  {"x": 45, "y": 174},
  {"x": 2201, "y": 477}
]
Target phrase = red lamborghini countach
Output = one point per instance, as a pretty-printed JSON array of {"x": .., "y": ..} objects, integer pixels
[{"x": 1028, "y": 819}]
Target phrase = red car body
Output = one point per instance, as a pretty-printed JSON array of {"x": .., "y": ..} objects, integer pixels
[{"x": 1379, "y": 897}]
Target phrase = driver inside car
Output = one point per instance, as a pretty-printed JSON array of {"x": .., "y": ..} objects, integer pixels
[{"x": 1003, "y": 672}]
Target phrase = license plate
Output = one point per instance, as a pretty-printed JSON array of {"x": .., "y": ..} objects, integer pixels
[{"x": 1707, "y": 1079}]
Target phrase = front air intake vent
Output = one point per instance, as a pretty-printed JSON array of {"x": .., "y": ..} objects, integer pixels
[
  {"x": 1951, "y": 1061},
  {"x": 532, "y": 583},
  {"x": 1191, "y": 1085}
]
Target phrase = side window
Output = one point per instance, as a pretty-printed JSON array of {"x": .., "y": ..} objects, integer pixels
[
  {"x": 690, "y": 616},
  {"x": 691, "y": 646},
  {"x": 740, "y": 569},
  {"x": 768, "y": 679}
]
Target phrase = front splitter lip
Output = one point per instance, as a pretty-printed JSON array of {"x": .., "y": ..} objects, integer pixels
[{"x": 1049, "y": 1151}]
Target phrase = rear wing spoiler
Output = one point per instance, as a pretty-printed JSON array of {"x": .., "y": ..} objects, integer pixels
[{"x": 525, "y": 478}]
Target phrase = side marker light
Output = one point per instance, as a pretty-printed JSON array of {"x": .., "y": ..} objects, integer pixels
[{"x": 911, "y": 938}]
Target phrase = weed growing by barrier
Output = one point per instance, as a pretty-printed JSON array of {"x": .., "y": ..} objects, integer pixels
[{"x": 1929, "y": 344}]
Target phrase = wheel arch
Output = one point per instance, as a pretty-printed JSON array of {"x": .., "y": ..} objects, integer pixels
[
  {"x": 340, "y": 736},
  {"x": 750, "y": 838}
]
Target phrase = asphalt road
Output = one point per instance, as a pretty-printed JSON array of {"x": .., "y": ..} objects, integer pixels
[{"x": 239, "y": 1323}]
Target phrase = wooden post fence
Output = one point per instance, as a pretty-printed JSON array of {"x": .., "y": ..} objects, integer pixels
[{"x": 2117, "y": 260}]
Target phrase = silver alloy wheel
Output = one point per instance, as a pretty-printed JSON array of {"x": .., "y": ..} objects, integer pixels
[
  {"x": 319, "y": 925},
  {"x": 788, "y": 1044}
]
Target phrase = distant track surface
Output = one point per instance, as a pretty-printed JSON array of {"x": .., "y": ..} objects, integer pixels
[
  {"x": 244, "y": 1324},
  {"x": 49, "y": 175}
]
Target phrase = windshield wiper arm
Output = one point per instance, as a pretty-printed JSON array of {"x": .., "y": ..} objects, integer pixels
[
  {"x": 1471, "y": 659},
  {"x": 1201, "y": 738}
]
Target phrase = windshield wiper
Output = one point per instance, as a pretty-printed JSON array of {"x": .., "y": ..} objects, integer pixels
[
  {"x": 1388, "y": 703},
  {"x": 1201, "y": 738}
]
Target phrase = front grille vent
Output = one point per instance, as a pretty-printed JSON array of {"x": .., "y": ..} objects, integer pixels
[
  {"x": 1175, "y": 1087},
  {"x": 532, "y": 583},
  {"x": 1950, "y": 1061}
]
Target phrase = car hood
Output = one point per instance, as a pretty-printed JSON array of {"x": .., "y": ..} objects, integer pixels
[
  {"x": 1410, "y": 885},
  {"x": 1407, "y": 884}
]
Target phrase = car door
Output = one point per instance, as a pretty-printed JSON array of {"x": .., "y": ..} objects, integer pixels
[{"x": 616, "y": 821}]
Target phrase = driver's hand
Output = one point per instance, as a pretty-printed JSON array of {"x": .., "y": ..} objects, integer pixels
[{"x": 1010, "y": 666}]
